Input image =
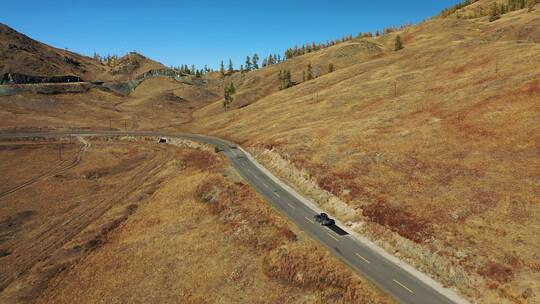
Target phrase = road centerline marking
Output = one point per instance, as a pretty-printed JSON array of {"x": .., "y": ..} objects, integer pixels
[
  {"x": 332, "y": 236},
  {"x": 363, "y": 258},
  {"x": 405, "y": 287},
  {"x": 291, "y": 205},
  {"x": 307, "y": 218},
  {"x": 277, "y": 194}
]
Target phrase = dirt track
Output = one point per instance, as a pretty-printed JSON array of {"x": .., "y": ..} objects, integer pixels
[
  {"x": 61, "y": 167},
  {"x": 59, "y": 216}
]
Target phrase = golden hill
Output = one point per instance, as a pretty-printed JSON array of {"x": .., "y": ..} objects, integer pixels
[
  {"x": 23, "y": 55},
  {"x": 432, "y": 149}
]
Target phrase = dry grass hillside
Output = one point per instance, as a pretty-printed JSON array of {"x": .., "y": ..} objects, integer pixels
[
  {"x": 177, "y": 222},
  {"x": 435, "y": 146},
  {"x": 431, "y": 151},
  {"x": 131, "y": 65},
  {"x": 21, "y": 54},
  {"x": 158, "y": 103}
]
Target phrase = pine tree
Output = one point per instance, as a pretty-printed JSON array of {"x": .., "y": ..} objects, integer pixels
[
  {"x": 494, "y": 13},
  {"x": 248, "y": 63},
  {"x": 309, "y": 72},
  {"x": 270, "y": 59},
  {"x": 285, "y": 79},
  {"x": 242, "y": 71},
  {"x": 222, "y": 68},
  {"x": 229, "y": 91},
  {"x": 255, "y": 61},
  {"x": 231, "y": 66},
  {"x": 398, "y": 44}
]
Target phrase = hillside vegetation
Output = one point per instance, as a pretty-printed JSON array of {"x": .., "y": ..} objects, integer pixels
[
  {"x": 24, "y": 55},
  {"x": 433, "y": 149},
  {"x": 168, "y": 225}
]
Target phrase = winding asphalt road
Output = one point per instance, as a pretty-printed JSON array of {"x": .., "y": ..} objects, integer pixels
[{"x": 394, "y": 279}]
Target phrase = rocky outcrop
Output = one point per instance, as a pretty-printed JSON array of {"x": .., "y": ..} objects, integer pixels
[
  {"x": 15, "y": 78},
  {"x": 14, "y": 83}
]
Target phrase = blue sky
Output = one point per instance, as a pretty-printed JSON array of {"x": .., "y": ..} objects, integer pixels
[{"x": 201, "y": 31}]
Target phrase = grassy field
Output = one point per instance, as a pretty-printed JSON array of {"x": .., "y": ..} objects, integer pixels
[
  {"x": 434, "y": 147},
  {"x": 177, "y": 221},
  {"x": 430, "y": 151}
]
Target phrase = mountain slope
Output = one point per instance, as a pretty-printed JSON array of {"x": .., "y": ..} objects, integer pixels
[
  {"x": 432, "y": 150},
  {"x": 23, "y": 55}
]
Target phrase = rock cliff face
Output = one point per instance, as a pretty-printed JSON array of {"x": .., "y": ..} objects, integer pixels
[{"x": 16, "y": 78}]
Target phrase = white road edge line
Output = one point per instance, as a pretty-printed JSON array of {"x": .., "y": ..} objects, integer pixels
[
  {"x": 405, "y": 287},
  {"x": 363, "y": 258},
  {"x": 447, "y": 292}
]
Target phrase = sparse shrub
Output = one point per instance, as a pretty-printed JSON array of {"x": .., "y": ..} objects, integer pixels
[
  {"x": 449, "y": 11},
  {"x": 398, "y": 220},
  {"x": 252, "y": 223},
  {"x": 331, "y": 68},
  {"x": 285, "y": 79},
  {"x": 494, "y": 13},
  {"x": 309, "y": 72},
  {"x": 398, "y": 44}
]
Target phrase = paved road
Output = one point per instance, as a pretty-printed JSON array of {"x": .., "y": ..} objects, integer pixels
[{"x": 390, "y": 277}]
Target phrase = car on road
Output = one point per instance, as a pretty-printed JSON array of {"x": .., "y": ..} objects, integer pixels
[
  {"x": 233, "y": 146},
  {"x": 324, "y": 220}
]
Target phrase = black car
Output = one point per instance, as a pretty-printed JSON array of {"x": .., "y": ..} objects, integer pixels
[{"x": 324, "y": 220}]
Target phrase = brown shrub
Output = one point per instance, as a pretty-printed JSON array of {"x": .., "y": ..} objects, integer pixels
[
  {"x": 401, "y": 221},
  {"x": 201, "y": 159},
  {"x": 250, "y": 220},
  {"x": 268, "y": 145},
  {"x": 307, "y": 267},
  {"x": 339, "y": 182},
  {"x": 496, "y": 271}
]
